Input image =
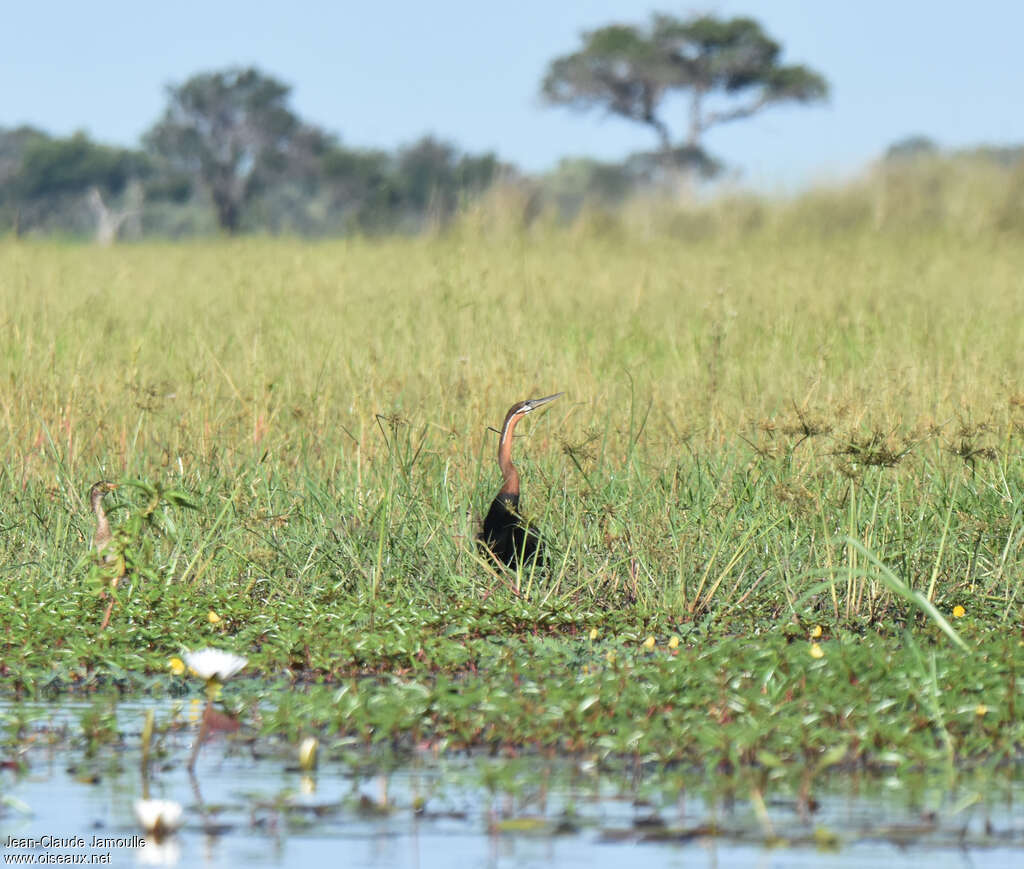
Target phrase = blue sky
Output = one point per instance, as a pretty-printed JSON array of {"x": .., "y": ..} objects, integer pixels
[{"x": 384, "y": 73}]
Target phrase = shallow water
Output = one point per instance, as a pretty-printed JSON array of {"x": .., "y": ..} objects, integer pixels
[{"x": 248, "y": 805}]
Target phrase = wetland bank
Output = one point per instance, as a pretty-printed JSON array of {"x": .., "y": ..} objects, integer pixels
[{"x": 781, "y": 496}]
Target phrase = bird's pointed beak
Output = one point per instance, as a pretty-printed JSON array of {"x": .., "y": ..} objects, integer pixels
[{"x": 540, "y": 402}]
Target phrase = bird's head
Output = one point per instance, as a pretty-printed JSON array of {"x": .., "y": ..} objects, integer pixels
[
  {"x": 98, "y": 490},
  {"x": 521, "y": 408},
  {"x": 531, "y": 404}
]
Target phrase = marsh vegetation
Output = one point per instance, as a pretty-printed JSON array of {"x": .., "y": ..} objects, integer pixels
[{"x": 782, "y": 495}]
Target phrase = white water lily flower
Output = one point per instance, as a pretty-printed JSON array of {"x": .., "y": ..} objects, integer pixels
[
  {"x": 214, "y": 664},
  {"x": 158, "y": 817}
]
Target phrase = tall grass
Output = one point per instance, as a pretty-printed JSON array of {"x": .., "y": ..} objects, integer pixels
[{"x": 775, "y": 421}]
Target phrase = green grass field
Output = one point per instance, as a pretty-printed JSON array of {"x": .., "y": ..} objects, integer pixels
[{"x": 796, "y": 452}]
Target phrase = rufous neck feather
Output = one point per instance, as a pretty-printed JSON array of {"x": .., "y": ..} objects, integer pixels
[{"x": 508, "y": 470}]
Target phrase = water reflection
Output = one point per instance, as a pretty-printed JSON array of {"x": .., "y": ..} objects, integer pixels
[{"x": 76, "y": 769}]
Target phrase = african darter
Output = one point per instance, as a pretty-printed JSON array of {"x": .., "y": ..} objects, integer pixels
[{"x": 506, "y": 535}]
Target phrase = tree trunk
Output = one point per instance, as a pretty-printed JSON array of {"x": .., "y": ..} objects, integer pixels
[
  {"x": 664, "y": 138},
  {"x": 696, "y": 128},
  {"x": 228, "y": 212},
  {"x": 682, "y": 172},
  {"x": 109, "y": 221}
]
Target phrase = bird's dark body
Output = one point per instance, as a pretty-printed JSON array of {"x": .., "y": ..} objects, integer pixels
[{"x": 508, "y": 536}]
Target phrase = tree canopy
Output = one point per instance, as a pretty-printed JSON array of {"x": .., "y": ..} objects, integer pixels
[
  {"x": 630, "y": 71},
  {"x": 232, "y": 130},
  {"x": 73, "y": 165}
]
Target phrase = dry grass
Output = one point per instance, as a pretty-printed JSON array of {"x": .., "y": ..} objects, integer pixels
[{"x": 729, "y": 401}]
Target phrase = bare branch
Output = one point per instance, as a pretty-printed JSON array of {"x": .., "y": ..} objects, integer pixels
[
  {"x": 108, "y": 220},
  {"x": 713, "y": 118}
]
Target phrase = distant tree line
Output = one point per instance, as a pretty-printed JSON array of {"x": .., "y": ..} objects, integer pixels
[
  {"x": 229, "y": 153},
  {"x": 919, "y": 148}
]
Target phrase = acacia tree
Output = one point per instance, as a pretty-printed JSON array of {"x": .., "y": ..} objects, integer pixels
[
  {"x": 229, "y": 130},
  {"x": 729, "y": 69}
]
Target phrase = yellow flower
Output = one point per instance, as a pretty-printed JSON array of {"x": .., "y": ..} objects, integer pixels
[
  {"x": 673, "y": 642},
  {"x": 981, "y": 709},
  {"x": 307, "y": 753},
  {"x": 816, "y": 631},
  {"x": 959, "y": 612},
  {"x": 817, "y": 651},
  {"x": 649, "y": 642},
  {"x": 212, "y": 617},
  {"x": 177, "y": 666},
  {"x": 593, "y": 633},
  {"x": 610, "y": 656}
]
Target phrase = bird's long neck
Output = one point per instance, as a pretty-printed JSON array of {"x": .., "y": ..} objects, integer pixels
[
  {"x": 510, "y": 487},
  {"x": 102, "y": 525}
]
